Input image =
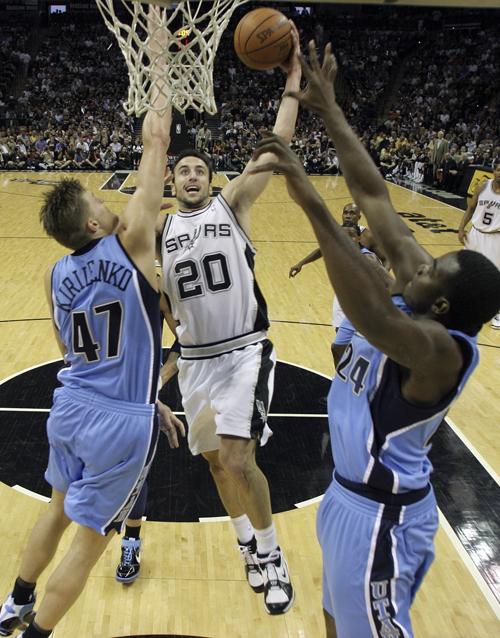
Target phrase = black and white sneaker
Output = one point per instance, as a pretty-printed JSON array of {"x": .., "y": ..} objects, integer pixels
[
  {"x": 130, "y": 563},
  {"x": 248, "y": 553},
  {"x": 14, "y": 616},
  {"x": 278, "y": 590}
]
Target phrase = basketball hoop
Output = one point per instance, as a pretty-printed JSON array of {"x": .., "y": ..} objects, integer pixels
[{"x": 188, "y": 77}]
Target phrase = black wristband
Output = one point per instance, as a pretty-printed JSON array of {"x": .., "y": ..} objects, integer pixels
[{"x": 175, "y": 347}]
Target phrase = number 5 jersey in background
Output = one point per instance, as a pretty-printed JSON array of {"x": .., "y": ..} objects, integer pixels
[{"x": 108, "y": 317}]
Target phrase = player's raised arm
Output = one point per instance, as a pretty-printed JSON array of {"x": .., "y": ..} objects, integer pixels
[
  {"x": 144, "y": 205},
  {"x": 372, "y": 313},
  {"x": 242, "y": 192},
  {"x": 362, "y": 176}
]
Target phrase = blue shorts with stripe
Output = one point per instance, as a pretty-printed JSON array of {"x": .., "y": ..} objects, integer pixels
[
  {"x": 374, "y": 559},
  {"x": 100, "y": 454}
]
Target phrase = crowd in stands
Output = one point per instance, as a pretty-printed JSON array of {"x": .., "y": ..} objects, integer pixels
[
  {"x": 13, "y": 58},
  {"x": 69, "y": 114},
  {"x": 441, "y": 118}
]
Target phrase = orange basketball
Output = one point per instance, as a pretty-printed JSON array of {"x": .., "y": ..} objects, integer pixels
[{"x": 263, "y": 39}]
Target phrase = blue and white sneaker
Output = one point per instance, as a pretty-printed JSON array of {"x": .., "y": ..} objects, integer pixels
[
  {"x": 14, "y": 616},
  {"x": 130, "y": 563}
]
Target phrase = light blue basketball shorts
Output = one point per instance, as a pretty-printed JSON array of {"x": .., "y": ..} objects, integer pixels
[
  {"x": 100, "y": 454},
  {"x": 374, "y": 559}
]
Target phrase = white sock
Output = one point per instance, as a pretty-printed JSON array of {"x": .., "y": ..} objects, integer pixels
[
  {"x": 267, "y": 540},
  {"x": 243, "y": 528}
]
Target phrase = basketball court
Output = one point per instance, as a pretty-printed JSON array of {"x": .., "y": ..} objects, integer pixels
[{"x": 192, "y": 581}]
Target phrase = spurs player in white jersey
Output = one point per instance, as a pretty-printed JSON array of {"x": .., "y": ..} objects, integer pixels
[
  {"x": 227, "y": 363},
  {"x": 483, "y": 211}
]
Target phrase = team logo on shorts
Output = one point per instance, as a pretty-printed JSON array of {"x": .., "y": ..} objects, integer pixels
[{"x": 261, "y": 409}]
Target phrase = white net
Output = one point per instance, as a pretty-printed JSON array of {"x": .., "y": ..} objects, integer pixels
[{"x": 180, "y": 38}]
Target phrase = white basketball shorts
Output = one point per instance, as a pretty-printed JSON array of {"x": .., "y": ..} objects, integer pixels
[
  {"x": 228, "y": 394},
  {"x": 488, "y": 244}
]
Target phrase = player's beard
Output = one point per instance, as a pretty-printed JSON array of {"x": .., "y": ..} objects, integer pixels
[{"x": 193, "y": 204}]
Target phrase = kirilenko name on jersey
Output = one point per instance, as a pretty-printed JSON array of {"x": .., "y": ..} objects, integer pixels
[{"x": 102, "y": 270}]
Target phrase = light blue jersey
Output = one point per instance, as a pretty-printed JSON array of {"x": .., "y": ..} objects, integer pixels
[
  {"x": 108, "y": 317},
  {"x": 378, "y": 518},
  {"x": 378, "y": 438},
  {"x": 103, "y": 426}
]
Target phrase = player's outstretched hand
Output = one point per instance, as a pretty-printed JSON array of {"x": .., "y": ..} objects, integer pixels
[
  {"x": 285, "y": 161},
  {"x": 462, "y": 236},
  {"x": 294, "y": 270},
  {"x": 292, "y": 63},
  {"x": 169, "y": 424},
  {"x": 319, "y": 94}
]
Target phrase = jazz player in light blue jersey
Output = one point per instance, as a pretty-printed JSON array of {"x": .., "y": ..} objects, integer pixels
[
  {"x": 103, "y": 425},
  {"x": 408, "y": 360}
]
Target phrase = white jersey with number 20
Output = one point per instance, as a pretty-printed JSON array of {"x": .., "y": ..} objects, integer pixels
[{"x": 208, "y": 276}]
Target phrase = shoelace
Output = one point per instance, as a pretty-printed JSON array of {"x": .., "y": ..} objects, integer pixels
[
  {"x": 247, "y": 556},
  {"x": 127, "y": 554}
]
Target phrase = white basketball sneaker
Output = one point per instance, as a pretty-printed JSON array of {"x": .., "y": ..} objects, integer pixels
[
  {"x": 14, "y": 616},
  {"x": 278, "y": 590},
  {"x": 248, "y": 554},
  {"x": 495, "y": 322}
]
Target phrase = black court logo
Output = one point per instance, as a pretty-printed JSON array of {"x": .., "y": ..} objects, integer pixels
[{"x": 297, "y": 459}]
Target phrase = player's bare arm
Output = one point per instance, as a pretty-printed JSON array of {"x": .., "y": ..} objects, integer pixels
[
  {"x": 48, "y": 293},
  {"x": 471, "y": 207},
  {"x": 142, "y": 208},
  {"x": 423, "y": 347},
  {"x": 308, "y": 259},
  {"x": 169, "y": 368},
  {"x": 242, "y": 192},
  {"x": 362, "y": 176}
]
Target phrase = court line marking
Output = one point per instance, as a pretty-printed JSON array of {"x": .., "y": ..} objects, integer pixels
[
  {"x": 310, "y": 501},
  {"x": 462, "y": 552},
  {"x": 471, "y": 566},
  {"x": 38, "y": 365},
  {"x": 23, "y": 490},
  {"x": 455, "y": 541},
  {"x": 214, "y": 519},
  {"x": 473, "y": 450},
  {"x": 24, "y": 409},
  {"x": 25, "y": 319},
  {"x": 297, "y": 365},
  {"x": 314, "y": 415},
  {"x": 408, "y": 190}
]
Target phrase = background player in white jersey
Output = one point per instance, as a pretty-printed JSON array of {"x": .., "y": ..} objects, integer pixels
[
  {"x": 483, "y": 211},
  {"x": 351, "y": 214},
  {"x": 227, "y": 364},
  {"x": 103, "y": 426},
  {"x": 409, "y": 359}
]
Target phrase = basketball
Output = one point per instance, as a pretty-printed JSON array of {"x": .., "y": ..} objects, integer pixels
[{"x": 263, "y": 39}]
